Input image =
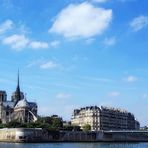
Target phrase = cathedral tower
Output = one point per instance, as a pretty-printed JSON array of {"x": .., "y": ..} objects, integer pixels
[{"x": 17, "y": 95}]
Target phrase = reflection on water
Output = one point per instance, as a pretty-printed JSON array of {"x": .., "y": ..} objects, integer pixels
[{"x": 75, "y": 145}]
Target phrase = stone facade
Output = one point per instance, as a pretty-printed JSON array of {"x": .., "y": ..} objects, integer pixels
[
  {"x": 18, "y": 108},
  {"x": 104, "y": 118}
]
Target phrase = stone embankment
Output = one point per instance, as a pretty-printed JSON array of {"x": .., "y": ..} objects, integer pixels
[{"x": 39, "y": 135}]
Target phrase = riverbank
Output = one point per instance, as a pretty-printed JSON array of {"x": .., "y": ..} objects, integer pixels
[{"x": 39, "y": 135}]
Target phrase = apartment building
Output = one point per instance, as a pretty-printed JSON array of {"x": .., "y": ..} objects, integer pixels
[{"x": 104, "y": 118}]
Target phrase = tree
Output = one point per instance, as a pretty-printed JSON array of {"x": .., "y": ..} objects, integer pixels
[
  {"x": 71, "y": 128},
  {"x": 57, "y": 123},
  {"x": 53, "y": 123},
  {"x": 86, "y": 128},
  {"x": 14, "y": 124}
]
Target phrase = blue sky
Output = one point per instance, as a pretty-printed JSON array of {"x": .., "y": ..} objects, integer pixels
[{"x": 73, "y": 53}]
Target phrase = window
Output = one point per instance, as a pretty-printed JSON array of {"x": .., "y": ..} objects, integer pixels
[{"x": 7, "y": 113}]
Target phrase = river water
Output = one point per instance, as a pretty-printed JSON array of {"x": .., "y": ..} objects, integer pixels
[{"x": 75, "y": 145}]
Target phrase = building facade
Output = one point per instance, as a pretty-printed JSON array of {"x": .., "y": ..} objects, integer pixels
[
  {"x": 18, "y": 108},
  {"x": 104, "y": 118}
]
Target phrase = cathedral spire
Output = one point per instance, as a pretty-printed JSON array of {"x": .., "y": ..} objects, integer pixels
[
  {"x": 18, "y": 92},
  {"x": 17, "y": 95},
  {"x": 18, "y": 82}
]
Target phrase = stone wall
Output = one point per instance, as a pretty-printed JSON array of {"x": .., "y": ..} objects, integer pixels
[
  {"x": 40, "y": 135},
  {"x": 21, "y": 134}
]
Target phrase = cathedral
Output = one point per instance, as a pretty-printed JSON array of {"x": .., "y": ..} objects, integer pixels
[{"x": 18, "y": 108}]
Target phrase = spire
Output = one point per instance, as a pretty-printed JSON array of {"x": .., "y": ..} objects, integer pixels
[
  {"x": 18, "y": 82},
  {"x": 18, "y": 92},
  {"x": 17, "y": 95}
]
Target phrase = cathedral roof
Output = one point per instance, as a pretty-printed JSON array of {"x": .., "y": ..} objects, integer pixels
[
  {"x": 32, "y": 104},
  {"x": 8, "y": 103},
  {"x": 22, "y": 103}
]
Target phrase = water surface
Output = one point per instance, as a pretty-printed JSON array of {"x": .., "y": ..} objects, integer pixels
[{"x": 75, "y": 145}]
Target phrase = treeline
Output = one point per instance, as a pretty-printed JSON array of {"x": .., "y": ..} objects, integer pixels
[{"x": 52, "y": 123}]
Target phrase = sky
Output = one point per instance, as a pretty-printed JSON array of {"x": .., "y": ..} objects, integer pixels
[{"x": 76, "y": 53}]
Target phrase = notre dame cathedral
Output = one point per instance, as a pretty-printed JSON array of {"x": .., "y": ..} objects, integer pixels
[{"x": 18, "y": 108}]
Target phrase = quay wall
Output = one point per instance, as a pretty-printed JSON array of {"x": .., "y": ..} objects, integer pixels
[
  {"x": 104, "y": 136},
  {"x": 39, "y": 135},
  {"x": 22, "y": 135}
]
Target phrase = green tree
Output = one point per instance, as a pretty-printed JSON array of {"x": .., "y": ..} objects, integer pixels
[
  {"x": 86, "y": 128},
  {"x": 57, "y": 123},
  {"x": 71, "y": 128},
  {"x": 14, "y": 124}
]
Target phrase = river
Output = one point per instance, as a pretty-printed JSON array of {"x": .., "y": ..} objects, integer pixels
[{"x": 75, "y": 145}]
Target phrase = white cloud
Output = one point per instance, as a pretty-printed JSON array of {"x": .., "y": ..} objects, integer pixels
[
  {"x": 139, "y": 23},
  {"x": 131, "y": 79},
  {"x": 114, "y": 94},
  {"x": 63, "y": 95},
  {"x": 22, "y": 28},
  {"x": 19, "y": 40},
  {"x": 54, "y": 43},
  {"x": 82, "y": 20},
  {"x": 110, "y": 41},
  {"x": 48, "y": 65},
  {"x": 5, "y": 26},
  {"x": 38, "y": 44},
  {"x": 43, "y": 64},
  {"x": 16, "y": 41}
]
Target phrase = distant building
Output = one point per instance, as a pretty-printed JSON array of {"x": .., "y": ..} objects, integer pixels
[
  {"x": 66, "y": 123},
  {"x": 104, "y": 118},
  {"x": 3, "y": 96},
  {"x": 18, "y": 108}
]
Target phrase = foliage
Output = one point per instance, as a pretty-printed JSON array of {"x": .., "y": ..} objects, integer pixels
[
  {"x": 71, "y": 128},
  {"x": 50, "y": 123},
  {"x": 86, "y": 127},
  {"x": 14, "y": 124},
  {"x": 56, "y": 123}
]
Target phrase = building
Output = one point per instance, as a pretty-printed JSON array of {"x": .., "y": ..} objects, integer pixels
[
  {"x": 18, "y": 108},
  {"x": 104, "y": 118}
]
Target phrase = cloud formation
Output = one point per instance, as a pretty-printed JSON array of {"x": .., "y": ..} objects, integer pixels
[
  {"x": 48, "y": 65},
  {"x": 19, "y": 39},
  {"x": 131, "y": 79},
  {"x": 16, "y": 41},
  {"x": 38, "y": 44},
  {"x": 81, "y": 20},
  {"x": 139, "y": 23},
  {"x": 5, "y": 26}
]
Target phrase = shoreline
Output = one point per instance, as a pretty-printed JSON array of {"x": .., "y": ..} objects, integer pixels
[{"x": 38, "y": 135}]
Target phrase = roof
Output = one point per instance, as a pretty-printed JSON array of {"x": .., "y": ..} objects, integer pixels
[
  {"x": 8, "y": 103},
  {"x": 2, "y": 91},
  {"x": 22, "y": 103},
  {"x": 32, "y": 104}
]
